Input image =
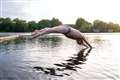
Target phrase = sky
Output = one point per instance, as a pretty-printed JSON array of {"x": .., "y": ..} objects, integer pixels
[{"x": 66, "y": 11}]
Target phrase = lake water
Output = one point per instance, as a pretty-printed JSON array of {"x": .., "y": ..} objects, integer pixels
[{"x": 55, "y": 57}]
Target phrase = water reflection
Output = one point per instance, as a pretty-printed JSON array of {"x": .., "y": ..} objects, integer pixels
[
  {"x": 14, "y": 41},
  {"x": 73, "y": 63},
  {"x": 60, "y": 58},
  {"x": 50, "y": 41}
]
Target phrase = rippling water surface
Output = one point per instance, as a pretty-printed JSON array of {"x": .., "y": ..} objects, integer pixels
[{"x": 55, "y": 57}]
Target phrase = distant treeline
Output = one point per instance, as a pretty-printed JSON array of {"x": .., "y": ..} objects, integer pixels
[{"x": 18, "y": 25}]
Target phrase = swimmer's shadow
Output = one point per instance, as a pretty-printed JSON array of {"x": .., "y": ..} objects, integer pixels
[{"x": 71, "y": 64}]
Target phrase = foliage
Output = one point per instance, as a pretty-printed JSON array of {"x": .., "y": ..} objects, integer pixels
[
  {"x": 18, "y": 25},
  {"x": 83, "y": 25},
  {"x": 97, "y": 26},
  {"x": 55, "y": 22}
]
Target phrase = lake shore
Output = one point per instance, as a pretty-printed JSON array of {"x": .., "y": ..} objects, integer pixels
[{"x": 11, "y": 36}]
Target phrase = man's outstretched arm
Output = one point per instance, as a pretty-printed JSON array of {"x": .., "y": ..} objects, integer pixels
[
  {"x": 41, "y": 32},
  {"x": 87, "y": 43},
  {"x": 37, "y": 33}
]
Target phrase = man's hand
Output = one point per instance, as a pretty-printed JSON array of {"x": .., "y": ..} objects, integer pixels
[{"x": 35, "y": 33}]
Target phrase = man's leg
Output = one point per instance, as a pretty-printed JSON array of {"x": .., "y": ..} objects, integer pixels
[{"x": 81, "y": 42}]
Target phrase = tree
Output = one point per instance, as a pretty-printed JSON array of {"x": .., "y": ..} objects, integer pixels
[
  {"x": 48, "y": 23},
  {"x": 44, "y": 23},
  {"x": 55, "y": 22},
  {"x": 1, "y": 23},
  {"x": 20, "y": 25},
  {"x": 83, "y": 25},
  {"x": 80, "y": 22},
  {"x": 7, "y": 25},
  {"x": 99, "y": 26},
  {"x": 32, "y": 25},
  {"x": 113, "y": 27}
]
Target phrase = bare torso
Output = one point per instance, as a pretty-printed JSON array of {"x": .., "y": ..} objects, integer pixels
[{"x": 73, "y": 34}]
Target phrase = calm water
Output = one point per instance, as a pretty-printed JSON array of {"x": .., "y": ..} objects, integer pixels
[{"x": 53, "y": 57}]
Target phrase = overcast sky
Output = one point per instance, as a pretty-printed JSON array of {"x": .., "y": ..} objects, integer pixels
[{"x": 66, "y": 11}]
